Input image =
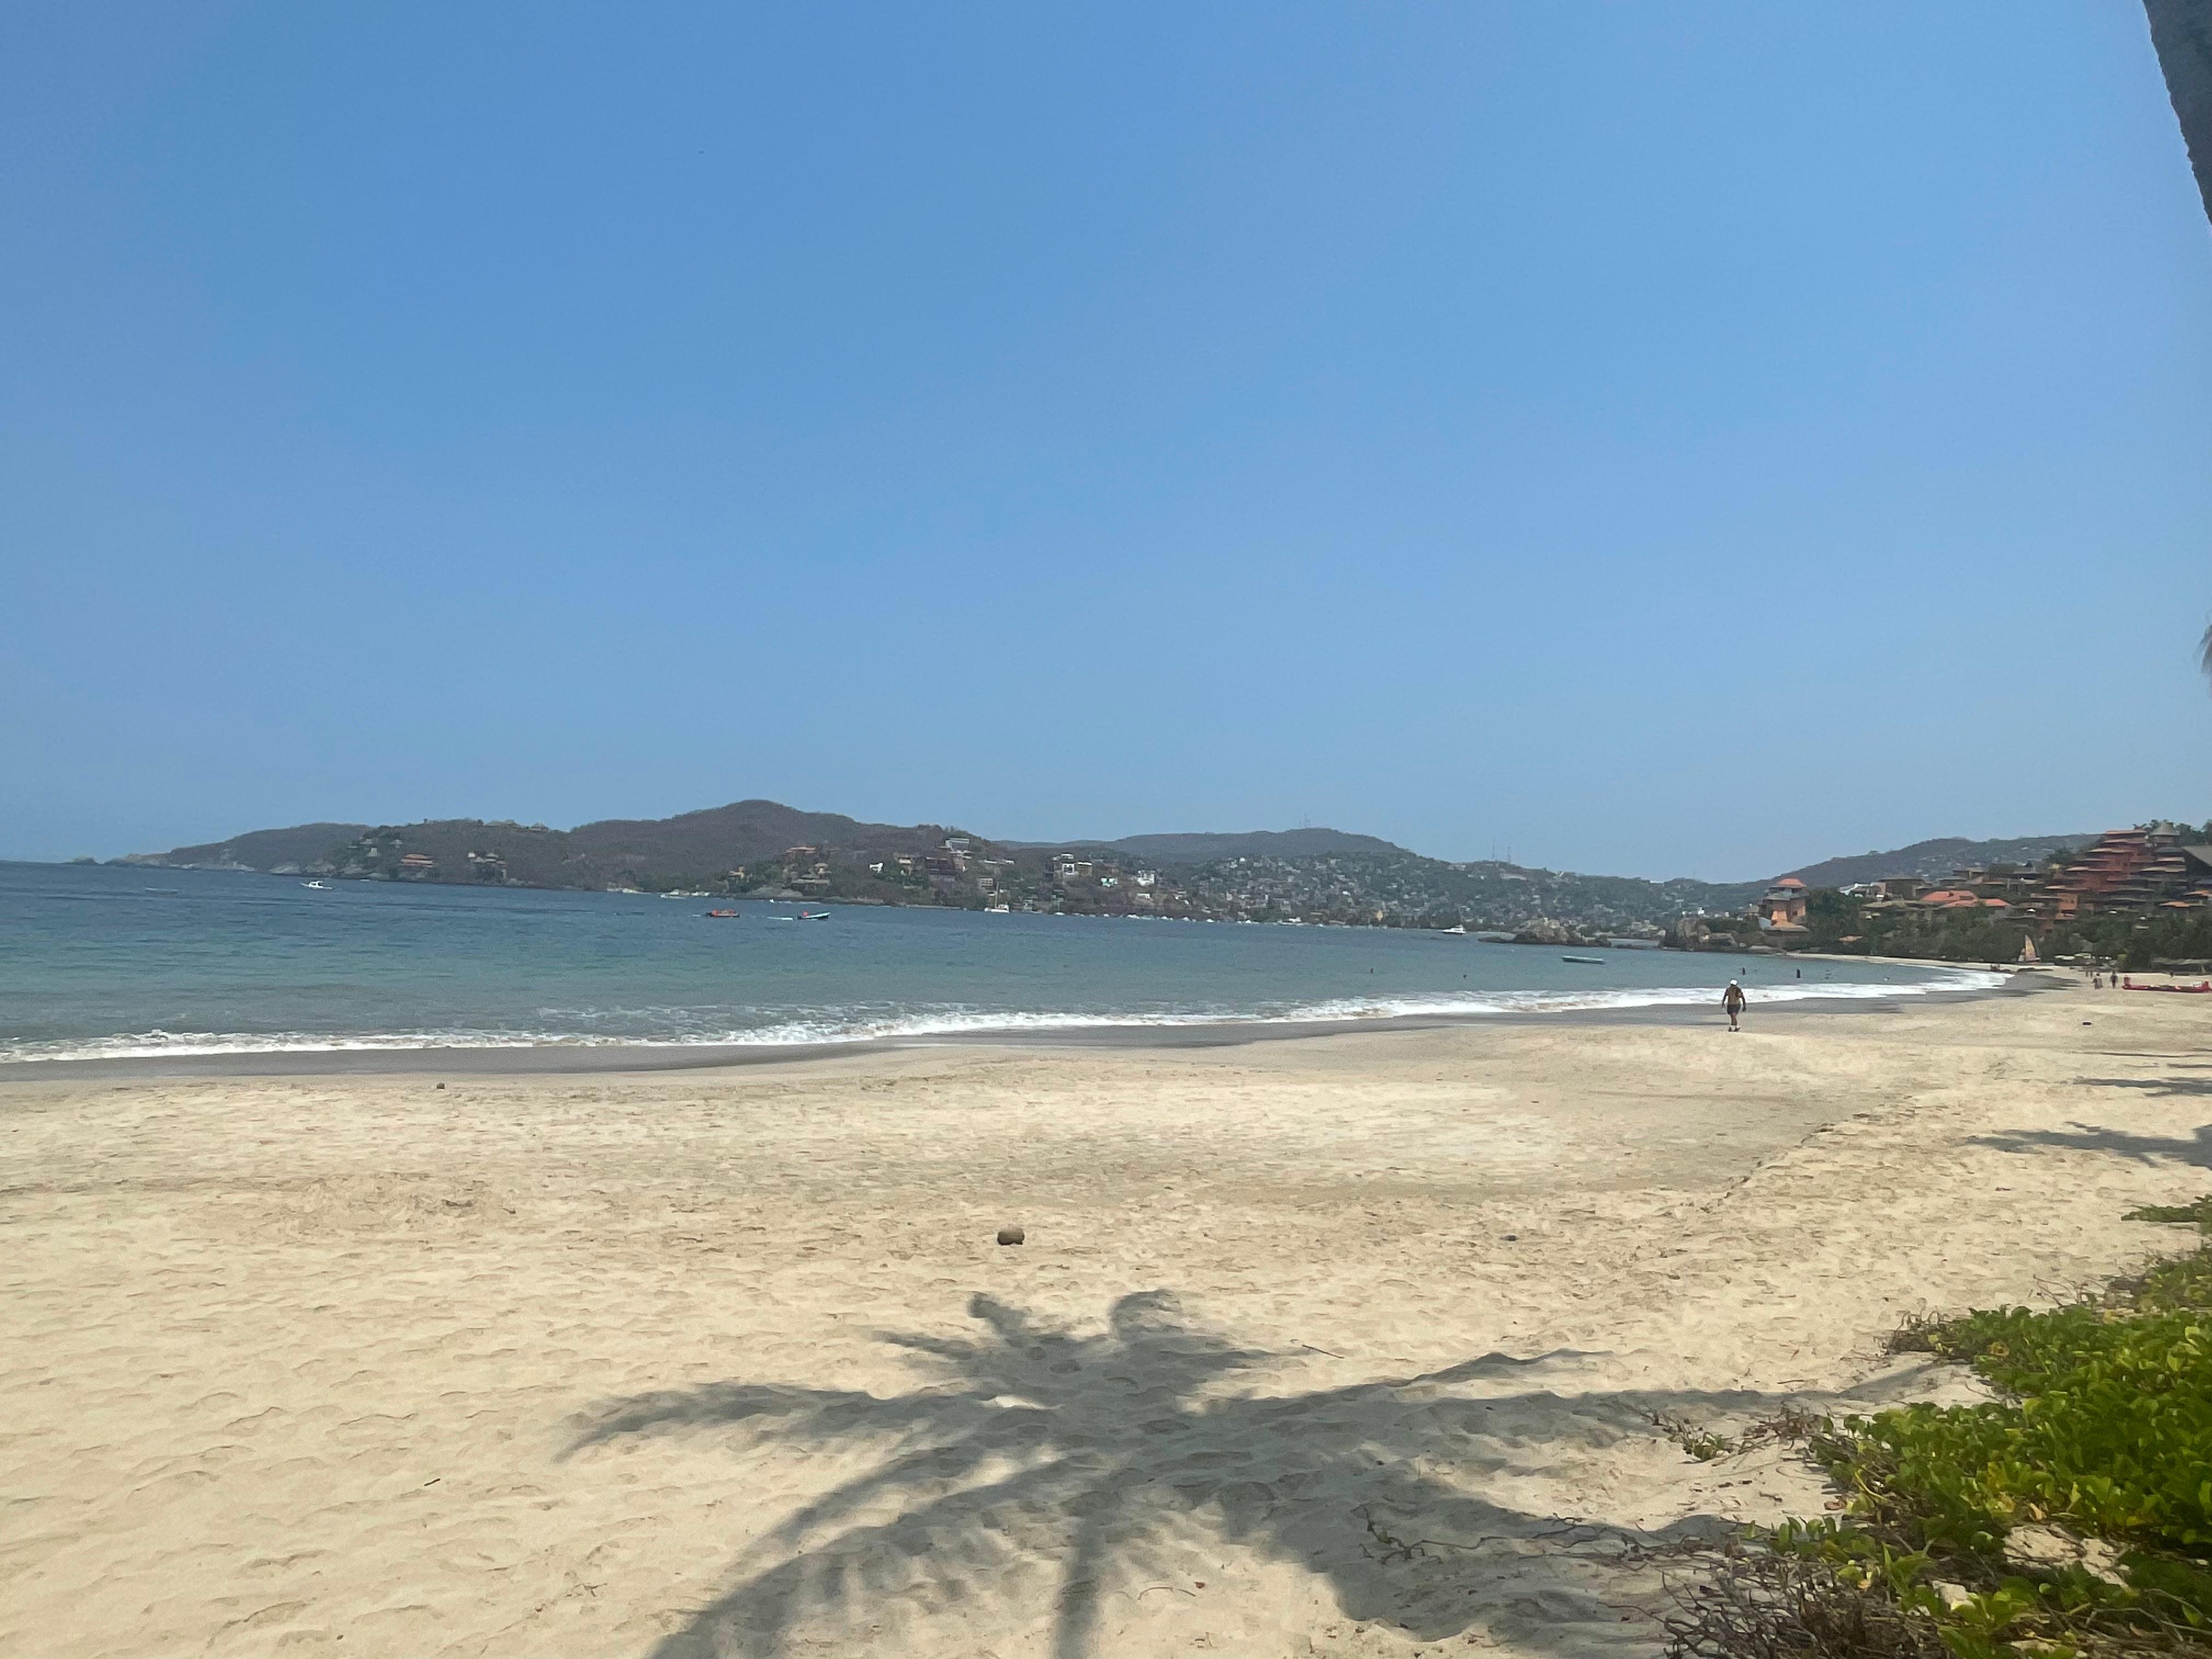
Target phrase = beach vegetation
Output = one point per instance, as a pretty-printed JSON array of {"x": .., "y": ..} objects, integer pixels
[
  {"x": 2135, "y": 942},
  {"x": 1698, "y": 1441},
  {"x": 1843, "y": 924},
  {"x": 2071, "y": 1515},
  {"x": 1705, "y": 1444},
  {"x": 1742, "y": 929}
]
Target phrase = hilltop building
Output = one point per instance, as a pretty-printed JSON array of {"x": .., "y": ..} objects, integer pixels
[
  {"x": 1784, "y": 903},
  {"x": 2129, "y": 870},
  {"x": 1781, "y": 913}
]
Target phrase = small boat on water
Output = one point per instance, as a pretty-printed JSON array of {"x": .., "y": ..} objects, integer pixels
[
  {"x": 722, "y": 915},
  {"x": 811, "y": 915},
  {"x": 318, "y": 886},
  {"x": 1594, "y": 961}
]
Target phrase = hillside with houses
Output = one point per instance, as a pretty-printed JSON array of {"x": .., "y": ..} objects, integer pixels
[
  {"x": 2140, "y": 897},
  {"x": 764, "y": 849},
  {"x": 1930, "y": 859},
  {"x": 2143, "y": 891}
]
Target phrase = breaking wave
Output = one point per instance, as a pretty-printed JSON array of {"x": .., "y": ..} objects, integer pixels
[{"x": 664, "y": 1028}]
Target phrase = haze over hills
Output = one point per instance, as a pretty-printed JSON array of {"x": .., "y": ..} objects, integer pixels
[
  {"x": 765, "y": 848},
  {"x": 257, "y": 849},
  {"x": 1251, "y": 843}
]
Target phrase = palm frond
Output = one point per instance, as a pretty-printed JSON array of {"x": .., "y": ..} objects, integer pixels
[{"x": 1103, "y": 1456}]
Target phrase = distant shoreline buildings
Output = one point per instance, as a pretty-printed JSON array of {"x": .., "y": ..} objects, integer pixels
[
  {"x": 2101, "y": 895},
  {"x": 1951, "y": 898}
]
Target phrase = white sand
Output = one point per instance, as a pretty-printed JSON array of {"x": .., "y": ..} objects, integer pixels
[{"x": 1315, "y": 1346}]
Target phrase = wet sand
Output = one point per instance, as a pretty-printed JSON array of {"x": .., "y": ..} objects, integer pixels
[{"x": 1344, "y": 1345}]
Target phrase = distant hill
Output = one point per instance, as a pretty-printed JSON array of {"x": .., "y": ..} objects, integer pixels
[
  {"x": 1310, "y": 874},
  {"x": 691, "y": 849},
  {"x": 1405, "y": 887},
  {"x": 1200, "y": 849},
  {"x": 748, "y": 846},
  {"x": 720, "y": 837},
  {"x": 259, "y": 849},
  {"x": 1929, "y": 859}
]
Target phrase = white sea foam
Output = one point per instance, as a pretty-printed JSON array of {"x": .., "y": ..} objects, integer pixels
[{"x": 853, "y": 1025}]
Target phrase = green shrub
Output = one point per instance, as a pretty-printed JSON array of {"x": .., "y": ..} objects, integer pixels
[
  {"x": 2113, "y": 1433},
  {"x": 2105, "y": 1433}
]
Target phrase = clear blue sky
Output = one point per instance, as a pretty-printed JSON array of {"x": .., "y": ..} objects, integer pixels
[{"x": 1659, "y": 440}]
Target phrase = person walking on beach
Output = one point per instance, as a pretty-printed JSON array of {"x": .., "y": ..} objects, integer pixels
[{"x": 1732, "y": 1003}]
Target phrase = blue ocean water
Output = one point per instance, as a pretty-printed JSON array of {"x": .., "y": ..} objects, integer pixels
[{"x": 98, "y": 961}]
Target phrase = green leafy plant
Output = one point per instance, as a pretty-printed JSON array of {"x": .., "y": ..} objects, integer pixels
[
  {"x": 2102, "y": 1444},
  {"x": 1701, "y": 1443}
]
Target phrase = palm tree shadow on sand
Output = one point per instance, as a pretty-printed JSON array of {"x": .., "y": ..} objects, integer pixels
[
  {"x": 2127, "y": 1142},
  {"x": 1035, "y": 1465}
]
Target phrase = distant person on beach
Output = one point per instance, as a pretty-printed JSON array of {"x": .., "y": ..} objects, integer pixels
[{"x": 1732, "y": 1003}]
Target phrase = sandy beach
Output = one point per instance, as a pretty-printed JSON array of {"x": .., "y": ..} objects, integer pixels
[{"x": 1348, "y": 1344}]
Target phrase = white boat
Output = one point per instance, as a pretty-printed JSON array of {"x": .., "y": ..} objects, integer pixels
[{"x": 319, "y": 886}]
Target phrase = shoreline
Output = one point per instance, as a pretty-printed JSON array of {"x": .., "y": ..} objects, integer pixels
[{"x": 556, "y": 1058}]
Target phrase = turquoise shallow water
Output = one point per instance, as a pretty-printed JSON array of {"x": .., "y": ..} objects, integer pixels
[{"x": 117, "y": 962}]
